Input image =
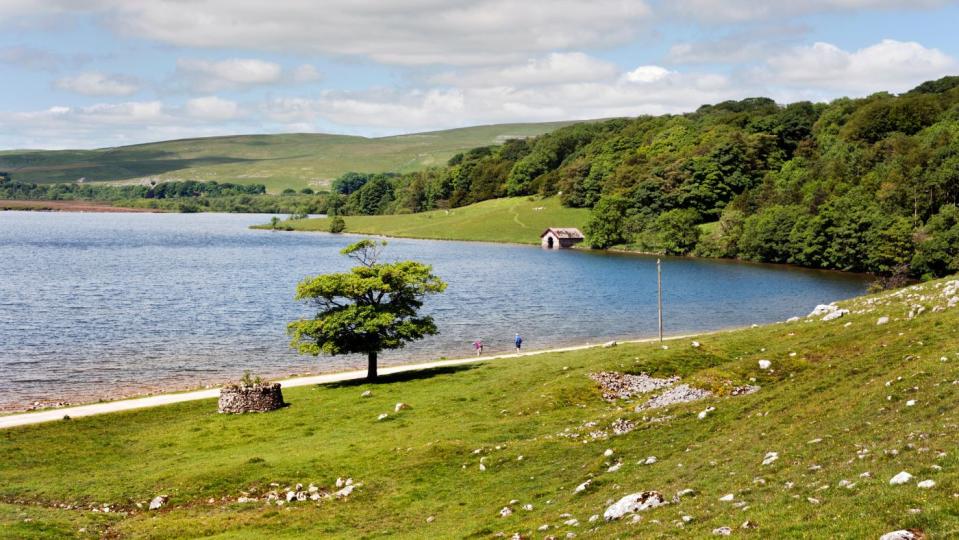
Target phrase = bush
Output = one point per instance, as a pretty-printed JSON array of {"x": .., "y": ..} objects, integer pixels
[{"x": 337, "y": 225}]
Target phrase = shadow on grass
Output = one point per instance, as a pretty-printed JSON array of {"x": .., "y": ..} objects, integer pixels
[{"x": 405, "y": 376}]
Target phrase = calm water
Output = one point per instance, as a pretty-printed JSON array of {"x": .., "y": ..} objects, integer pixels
[{"x": 90, "y": 302}]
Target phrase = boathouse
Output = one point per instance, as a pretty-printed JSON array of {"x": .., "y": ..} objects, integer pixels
[{"x": 560, "y": 237}]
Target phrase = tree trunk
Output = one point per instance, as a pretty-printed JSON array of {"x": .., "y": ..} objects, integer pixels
[{"x": 371, "y": 366}]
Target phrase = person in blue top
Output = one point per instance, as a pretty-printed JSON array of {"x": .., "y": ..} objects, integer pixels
[{"x": 519, "y": 342}]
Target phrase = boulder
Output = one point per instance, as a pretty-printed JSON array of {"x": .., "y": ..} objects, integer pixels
[
  {"x": 400, "y": 407},
  {"x": 882, "y": 320},
  {"x": 770, "y": 457},
  {"x": 902, "y": 534},
  {"x": 632, "y": 503},
  {"x": 765, "y": 364},
  {"x": 835, "y": 314},
  {"x": 157, "y": 502},
  {"x": 901, "y": 478}
]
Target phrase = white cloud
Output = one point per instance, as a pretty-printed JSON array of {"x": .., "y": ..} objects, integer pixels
[
  {"x": 652, "y": 90},
  {"x": 554, "y": 68},
  {"x": 714, "y": 12},
  {"x": 889, "y": 65},
  {"x": 647, "y": 74},
  {"x": 306, "y": 73},
  {"x": 98, "y": 84},
  {"x": 212, "y": 108},
  {"x": 209, "y": 76},
  {"x": 450, "y": 32}
]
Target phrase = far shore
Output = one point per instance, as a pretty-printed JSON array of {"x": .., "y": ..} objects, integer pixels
[{"x": 68, "y": 206}]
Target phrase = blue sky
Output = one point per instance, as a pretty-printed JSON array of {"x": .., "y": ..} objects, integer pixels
[{"x": 96, "y": 73}]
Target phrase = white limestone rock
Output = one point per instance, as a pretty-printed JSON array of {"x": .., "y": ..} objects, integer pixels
[{"x": 633, "y": 503}]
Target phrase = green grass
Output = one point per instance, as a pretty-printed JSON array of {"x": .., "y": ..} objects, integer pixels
[
  {"x": 518, "y": 220},
  {"x": 279, "y": 161},
  {"x": 846, "y": 384}
]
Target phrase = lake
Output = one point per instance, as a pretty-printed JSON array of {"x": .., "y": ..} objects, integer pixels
[{"x": 93, "y": 303}]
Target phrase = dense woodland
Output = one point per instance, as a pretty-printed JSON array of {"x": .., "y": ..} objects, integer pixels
[{"x": 856, "y": 184}]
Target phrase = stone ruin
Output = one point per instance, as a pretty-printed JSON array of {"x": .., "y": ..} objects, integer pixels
[{"x": 238, "y": 398}]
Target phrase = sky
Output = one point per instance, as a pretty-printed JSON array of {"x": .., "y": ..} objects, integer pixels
[{"x": 100, "y": 73}]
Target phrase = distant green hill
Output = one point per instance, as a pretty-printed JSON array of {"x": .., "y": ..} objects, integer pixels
[{"x": 279, "y": 161}]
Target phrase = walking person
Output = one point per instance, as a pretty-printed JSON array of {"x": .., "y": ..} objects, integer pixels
[
  {"x": 478, "y": 346},
  {"x": 519, "y": 342}
]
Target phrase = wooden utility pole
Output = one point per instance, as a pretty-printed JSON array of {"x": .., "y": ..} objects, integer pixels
[{"x": 659, "y": 285}]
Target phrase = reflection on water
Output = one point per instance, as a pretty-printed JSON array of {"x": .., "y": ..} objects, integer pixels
[{"x": 90, "y": 302}]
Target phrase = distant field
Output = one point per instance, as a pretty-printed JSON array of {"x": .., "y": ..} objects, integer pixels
[
  {"x": 279, "y": 161},
  {"x": 518, "y": 220}
]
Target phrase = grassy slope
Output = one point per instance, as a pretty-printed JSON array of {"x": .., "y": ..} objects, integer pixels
[
  {"x": 279, "y": 161},
  {"x": 421, "y": 462},
  {"x": 518, "y": 220}
]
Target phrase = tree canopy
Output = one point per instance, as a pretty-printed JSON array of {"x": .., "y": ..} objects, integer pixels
[
  {"x": 855, "y": 184},
  {"x": 373, "y": 307}
]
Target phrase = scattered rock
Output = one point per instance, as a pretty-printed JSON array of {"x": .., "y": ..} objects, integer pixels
[
  {"x": 770, "y": 457},
  {"x": 748, "y": 524},
  {"x": 722, "y": 531},
  {"x": 702, "y": 414},
  {"x": 901, "y": 478},
  {"x": 383, "y": 416},
  {"x": 882, "y": 320},
  {"x": 650, "y": 460},
  {"x": 506, "y": 512},
  {"x": 765, "y": 364},
  {"x": 609, "y": 344},
  {"x": 727, "y": 497},
  {"x": 615, "y": 467},
  {"x": 608, "y": 452},
  {"x": 835, "y": 314},
  {"x": 633, "y": 503},
  {"x": 367, "y": 393},
  {"x": 431, "y": 519},
  {"x": 400, "y": 407},
  {"x": 582, "y": 487},
  {"x": 615, "y": 385},
  {"x": 926, "y": 484},
  {"x": 682, "y": 393},
  {"x": 695, "y": 344},
  {"x": 910, "y": 403}
]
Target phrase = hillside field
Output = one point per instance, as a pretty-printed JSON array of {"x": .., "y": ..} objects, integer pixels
[
  {"x": 278, "y": 161},
  {"x": 844, "y": 406},
  {"x": 518, "y": 220}
]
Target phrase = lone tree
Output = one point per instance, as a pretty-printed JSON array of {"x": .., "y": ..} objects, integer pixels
[{"x": 368, "y": 309}]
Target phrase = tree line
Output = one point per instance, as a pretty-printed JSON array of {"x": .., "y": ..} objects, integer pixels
[
  {"x": 180, "y": 196},
  {"x": 866, "y": 185}
]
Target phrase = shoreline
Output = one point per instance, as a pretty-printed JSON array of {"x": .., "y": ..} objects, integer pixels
[
  {"x": 16, "y": 419},
  {"x": 69, "y": 206},
  {"x": 868, "y": 277}
]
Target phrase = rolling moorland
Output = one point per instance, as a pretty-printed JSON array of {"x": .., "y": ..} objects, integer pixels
[
  {"x": 846, "y": 401},
  {"x": 293, "y": 161}
]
